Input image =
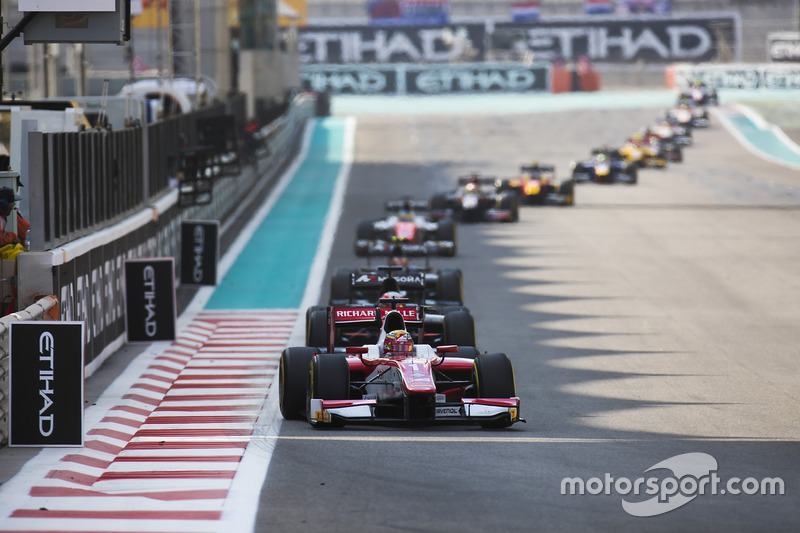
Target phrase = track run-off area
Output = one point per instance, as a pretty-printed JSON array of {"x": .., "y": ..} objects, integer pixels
[{"x": 644, "y": 323}]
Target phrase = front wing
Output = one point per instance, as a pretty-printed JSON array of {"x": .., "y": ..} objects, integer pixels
[{"x": 467, "y": 411}]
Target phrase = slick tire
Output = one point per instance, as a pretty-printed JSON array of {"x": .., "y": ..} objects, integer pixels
[
  {"x": 493, "y": 377},
  {"x": 317, "y": 327},
  {"x": 450, "y": 286},
  {"x": 446, "y": 231},
  {"x": 459, "y": 328},
  {"x": 328, "y": 379},
  {"x": 365, "y": 230},
  {"x": 341, "y": 283},
  {"x": 293, "y": 380}
]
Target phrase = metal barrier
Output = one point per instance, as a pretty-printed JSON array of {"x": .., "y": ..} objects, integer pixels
[
  {"x": 83, "y": 182},
  {"x": 39, "y": 310}
]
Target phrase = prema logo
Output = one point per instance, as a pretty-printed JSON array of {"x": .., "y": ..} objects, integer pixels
[{"x": 693, "y": 474}]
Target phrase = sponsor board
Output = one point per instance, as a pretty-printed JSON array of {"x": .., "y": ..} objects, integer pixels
[
  {"x": 652, "y": 38},
  {"x": 426, "y": 79},
  {"x": 150, "y": 310},
  {"x": 741, "y": 76},
  {"x": 199, "y": 252},
  {"x": 46, "y": 383},
  {"x": 783, "y": 47}
]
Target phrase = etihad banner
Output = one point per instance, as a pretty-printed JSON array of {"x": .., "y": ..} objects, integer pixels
[
  {"x": 364, "y": 44},
  {"x": 649, "y": 38},
  {"x": 46, "y": 383},
  {"x": 426, "y": 79}
]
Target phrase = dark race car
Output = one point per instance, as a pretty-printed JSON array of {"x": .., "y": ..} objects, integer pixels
[
  {"x": 536, "y": 184},
  {"x": 700, "y": 94},
  {"x": 421, "y": 285},
  {"x": 478, "y": 199},
  {"x": 396, "y": 380},
  {"x": 688, "y": 114},
  {"x": 412, "y": 226},
  {"x": 605, "y": 166}
]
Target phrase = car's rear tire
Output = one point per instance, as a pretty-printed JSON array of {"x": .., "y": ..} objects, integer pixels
[
  {"x": 365, "y": 230},
  {"x": 450, "y": 286},
  {"x": 459, "y": 328},
  {"x": 567, "y": 190},
  {"x": 493, "y": 377},
  {"x": 438, "y": 202},
  {"x": 341, "y": 284},
  {"x": 510, "y": 202},
  {"x": 317, "y": 327},
  {"x": 446, "y": 231},
  {"x": 328, "y": 379},
  {"x": 293, "y": 380}
]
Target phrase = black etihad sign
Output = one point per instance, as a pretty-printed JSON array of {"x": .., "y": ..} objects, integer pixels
[
  {"x": 618, "y": 39},
  {"x": 150, "y": 310},
  {"x": 199, "y": 252},
  {"x": 46, "y": 383},
  {"x": 399, "y": 79}
]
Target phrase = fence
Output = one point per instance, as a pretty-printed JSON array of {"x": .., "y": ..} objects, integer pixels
[{"x": 82, "y": 182}]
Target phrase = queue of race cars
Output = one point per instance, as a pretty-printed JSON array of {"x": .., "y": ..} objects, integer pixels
[
  {"x": 652, "y": 147},
  {"x": 395, "y": 343}
]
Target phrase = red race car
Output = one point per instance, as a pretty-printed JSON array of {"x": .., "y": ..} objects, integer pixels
[{"x": 397, "y": 381}]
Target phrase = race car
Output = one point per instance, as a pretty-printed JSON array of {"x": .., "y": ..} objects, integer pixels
[
  {"x": 421, "y": 285},
  {"x": 410, "y": 225},
  {"x": 335, "y": 327},
  {"x": 478, "y": 199},
  {"x": 688, "y": 114},
  {"x": 642, "y": 155},
  {"x": 700, "y": 94},
  {"x": 397, "y": 381},
  {"x": 605, "y": 166},
  {"x": 536, "y": 185}
]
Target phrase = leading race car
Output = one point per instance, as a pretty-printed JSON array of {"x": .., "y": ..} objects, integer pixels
[
  {"x": 536, "y": 185},
  {"x": 397, "y": 381},
  {"x": 411, "y": 226},
  {"x": 700, "y": 93},
  {"x": 478, "y": 199}
]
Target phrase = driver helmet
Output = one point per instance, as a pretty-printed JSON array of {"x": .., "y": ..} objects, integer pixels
[
  {"x": 392, "y": 294},
  {"x": 398, "y": 341},
  {"x": 399, "y": 260}
]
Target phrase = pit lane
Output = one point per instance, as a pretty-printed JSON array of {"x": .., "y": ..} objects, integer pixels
[{"x": 643, "y": 323}]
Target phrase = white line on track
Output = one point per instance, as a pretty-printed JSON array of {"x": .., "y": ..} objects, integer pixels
[{"x": 241, "y": 504}]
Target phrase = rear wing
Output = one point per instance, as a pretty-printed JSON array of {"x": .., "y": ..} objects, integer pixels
[
  {"x": 406, "y": 204},
  {"x": 369, "y": 316},
  {"x": 537, "y": 169},
  {"x": 483, "y": 180},
  {"x": 380, "y": 248}
]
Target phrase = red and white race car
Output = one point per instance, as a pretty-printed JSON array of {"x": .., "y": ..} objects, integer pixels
[{"x": 396, "y": 381}]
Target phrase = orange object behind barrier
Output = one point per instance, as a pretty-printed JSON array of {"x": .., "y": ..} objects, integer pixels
[
  {"x": 669, "y": 76},
  {"x": 560, "y": 81},
  {"x": 589, "y": 81}
]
